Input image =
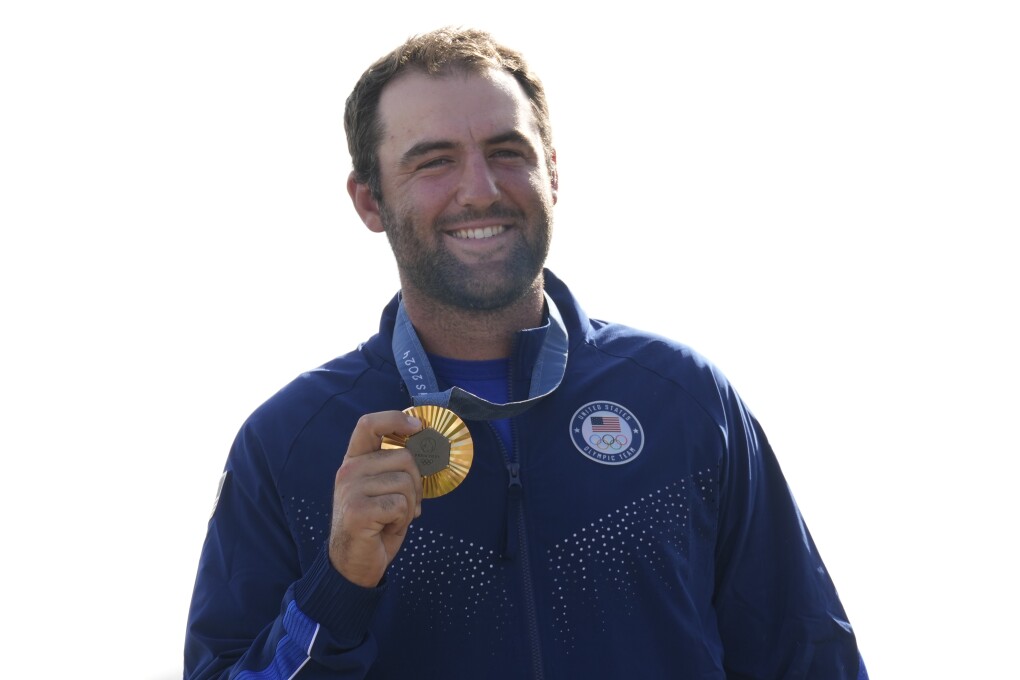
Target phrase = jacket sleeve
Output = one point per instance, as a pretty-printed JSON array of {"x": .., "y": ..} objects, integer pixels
[
  {"x": 254, "y": 613},
  {"x": 778, "y": 611}
]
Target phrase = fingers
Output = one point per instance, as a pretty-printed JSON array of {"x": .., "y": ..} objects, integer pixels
[
  {"x": 374, "y": 501},
  {"x": 376, "y": 496},
  {"x": 372, "y": 427},
  {"x": 382, "y": 473},
  {"x": 380, "y": 492},
  {"x": 387, "y": 480},
  {"x": 367, "y": 439}
]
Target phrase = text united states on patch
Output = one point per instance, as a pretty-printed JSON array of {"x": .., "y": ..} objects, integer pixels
[{"x": 605, "y": 424}]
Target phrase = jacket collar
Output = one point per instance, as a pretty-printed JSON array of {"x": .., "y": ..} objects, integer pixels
[{"x": 528, "y": 341}]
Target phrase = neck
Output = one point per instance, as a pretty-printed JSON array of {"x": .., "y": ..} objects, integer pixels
[{"x": 472, "y": 335}]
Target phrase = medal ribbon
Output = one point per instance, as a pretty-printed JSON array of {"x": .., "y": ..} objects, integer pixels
[{"x": 415, "y": 369}]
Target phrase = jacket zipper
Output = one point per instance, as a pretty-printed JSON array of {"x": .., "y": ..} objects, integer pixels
[{"x": 515, "y": 539}]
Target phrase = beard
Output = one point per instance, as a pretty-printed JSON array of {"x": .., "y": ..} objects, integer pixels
[{"x": 427, "y": 265}]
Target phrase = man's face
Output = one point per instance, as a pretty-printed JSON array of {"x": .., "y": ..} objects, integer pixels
[{"x": 466, "y": 189}]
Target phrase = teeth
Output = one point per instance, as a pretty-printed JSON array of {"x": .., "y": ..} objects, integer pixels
[{"x": 484, "y": 232}]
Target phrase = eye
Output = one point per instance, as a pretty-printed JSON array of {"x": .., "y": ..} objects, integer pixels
[
  {"x": 511, "y": 156},
  {"x": 507, "y": 153},
  {"x": 434, "y": 163}
]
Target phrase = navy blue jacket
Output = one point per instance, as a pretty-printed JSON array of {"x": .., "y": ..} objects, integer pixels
[{"x": 640, "y": 528}]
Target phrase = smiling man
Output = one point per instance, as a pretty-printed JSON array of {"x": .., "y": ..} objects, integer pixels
[
  {"x": 466, "y": 189},
  {"x": 496, "y": 485}
]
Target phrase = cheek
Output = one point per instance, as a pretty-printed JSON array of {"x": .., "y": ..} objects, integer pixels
[
  {"x": 428, "y": 199},
  {"x": 540, "y": 184},
  {"x": 538, "y": 178}
]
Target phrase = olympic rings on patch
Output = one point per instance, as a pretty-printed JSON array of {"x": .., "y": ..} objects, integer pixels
[{"x": 608, "y": 441}]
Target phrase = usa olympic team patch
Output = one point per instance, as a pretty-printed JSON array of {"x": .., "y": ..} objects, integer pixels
[{"x": 606, "y": 433}]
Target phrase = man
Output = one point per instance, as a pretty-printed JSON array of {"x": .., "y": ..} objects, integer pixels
[{"x": 618, "y": 511}]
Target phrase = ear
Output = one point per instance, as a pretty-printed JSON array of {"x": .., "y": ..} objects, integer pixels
[
  {"x": 554, "y": 177},
  {"x": 365, "y": 203}
]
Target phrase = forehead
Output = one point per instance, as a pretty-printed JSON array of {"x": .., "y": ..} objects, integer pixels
[{"x": 459, "y": 107}]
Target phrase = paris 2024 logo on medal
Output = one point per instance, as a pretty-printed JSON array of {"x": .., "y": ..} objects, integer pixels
[{"x": 607, "y": 433}]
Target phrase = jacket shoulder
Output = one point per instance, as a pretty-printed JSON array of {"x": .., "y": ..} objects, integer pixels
[
  {"x": 278, "y": 422},
  {"x": 659, "y": 358}
]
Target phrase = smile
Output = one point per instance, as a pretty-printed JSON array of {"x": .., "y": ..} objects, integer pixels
[{"x": 481, "y": 232}]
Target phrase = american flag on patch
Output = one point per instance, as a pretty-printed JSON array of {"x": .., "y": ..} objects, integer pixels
[{"x": 605, "y": 424}]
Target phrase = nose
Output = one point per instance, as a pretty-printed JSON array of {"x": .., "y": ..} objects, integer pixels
[{"x": 478, "y": 186}]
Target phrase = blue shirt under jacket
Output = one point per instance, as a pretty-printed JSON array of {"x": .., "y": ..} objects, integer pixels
[{"x": 640, "y": 527}]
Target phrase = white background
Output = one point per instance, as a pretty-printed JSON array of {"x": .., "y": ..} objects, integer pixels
[{"x": 822, "y": 198}]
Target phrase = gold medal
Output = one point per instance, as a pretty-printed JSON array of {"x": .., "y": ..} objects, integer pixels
[{"x": 442, "y": 449}]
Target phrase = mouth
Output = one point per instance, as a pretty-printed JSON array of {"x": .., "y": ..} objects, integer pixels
[{"x": 478, "y": 232}]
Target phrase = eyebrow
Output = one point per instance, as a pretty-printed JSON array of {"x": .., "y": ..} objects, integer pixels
[
  {"x": 510, "y": 136},
  {"x": 428, "y": 146}
]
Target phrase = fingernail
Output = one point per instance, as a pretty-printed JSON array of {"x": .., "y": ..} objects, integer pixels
[{"x": 413, "y": 422}]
